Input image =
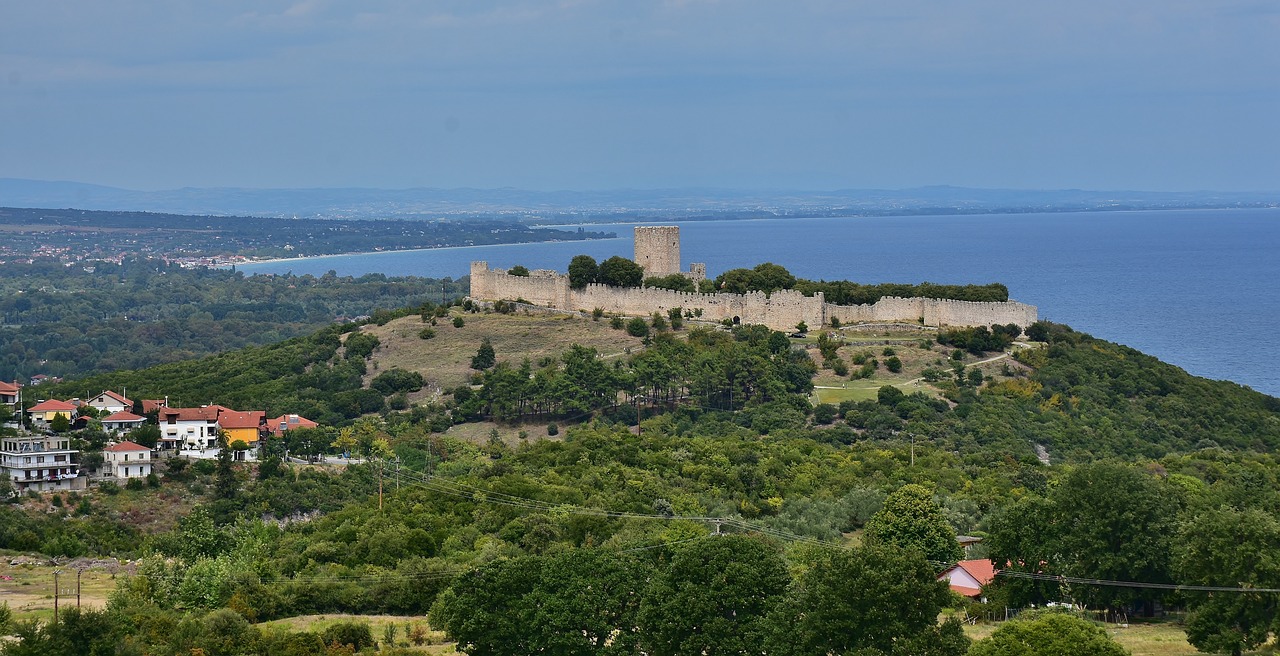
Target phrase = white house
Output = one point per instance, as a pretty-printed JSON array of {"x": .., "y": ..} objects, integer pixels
[
  {"x": 190, "y": 428},
  {"x": 110, "y": 403},
  {"x": 968, "y": 577},
  {"x": 122, "y": 422},
  {"x": 40, "y": 463},
  {"x": 126, "y": 460}
]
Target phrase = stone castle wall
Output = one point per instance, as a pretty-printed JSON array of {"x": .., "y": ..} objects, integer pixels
[{"x": 781, "y": 310}]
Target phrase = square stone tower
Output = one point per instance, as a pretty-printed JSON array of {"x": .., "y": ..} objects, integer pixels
[{"x": 658, "y": 250}]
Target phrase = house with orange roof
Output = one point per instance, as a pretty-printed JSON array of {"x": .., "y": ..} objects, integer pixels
[
  {"x": 242, "y": 426},
  {"x": 968, "y": 577},
  {"x": 126, "y": 460},
  {"x": 122, "y": 422},
  {"x": 44, "y": 412},
  {"x": 152, "y": 405},
  {"x": 279, "y": 425},
  {"x": 110, "y": 402}
]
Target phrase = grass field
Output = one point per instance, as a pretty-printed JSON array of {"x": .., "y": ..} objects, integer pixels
[
  {"x": 28, "y": 588},
  {"x": 445, "y": 360},
  {"x": 1154, "y": 639},
  {"x": 436, "y": 642}
]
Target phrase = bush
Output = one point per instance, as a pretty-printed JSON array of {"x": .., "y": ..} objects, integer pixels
[
  {"x": 153, "y": 480},
  {"x": 108, "y": 487},
  {"x": 617, "y": 323},
  {"x": 458, "y": 322},
  {"x": 426, "y": 333},
  {"x": 349, "y": 634},
  {"x": 396, "y": 380},
  {"x": 637, "y": 328},
  {"x": 839, "y": 367},
  {"x": 888, "y": 351},
  {"x": 553, "y": 429},
  {"x": 135, "y": 484},
  {"x": 824, "y": 413},
  {"x": 893, "y": 364},
  {"x": 597, "y": 313}
]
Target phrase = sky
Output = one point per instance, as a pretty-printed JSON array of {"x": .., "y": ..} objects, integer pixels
[{"x": 1160, "y": 95}]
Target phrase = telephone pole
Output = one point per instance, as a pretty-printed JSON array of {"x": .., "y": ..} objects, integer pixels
[{"x": 56, "y": 572}]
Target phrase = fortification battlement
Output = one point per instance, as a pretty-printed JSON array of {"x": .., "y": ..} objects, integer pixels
[{"x": 781, "y": 310}]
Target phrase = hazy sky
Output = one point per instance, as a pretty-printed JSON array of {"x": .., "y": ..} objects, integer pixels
[{"x": 1099, "y": 94}]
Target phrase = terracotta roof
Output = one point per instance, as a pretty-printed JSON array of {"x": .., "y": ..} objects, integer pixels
[
  {"x": 117, "y": 397},
  {"x": 982, "y": 571},
  {"x": 123, "y": 415},
  {"x": 208, "y": 414},
  {"x": 153, "y": 404},
  {"x": 126, "y": 446},
  {"x": 52, "y": 405},
  {"x": 251, "y": 419},
  {"x": 8, "y": 388},
  {"x": 286, "y": 422}
]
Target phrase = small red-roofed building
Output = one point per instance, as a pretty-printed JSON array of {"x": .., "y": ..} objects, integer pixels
[
  {"x": 283, "y": 423},
  {"x": 122, "y": 422},
  {"x": 968, "y": 577},
  {"x": 110, "y": 403},
  {"x": 126, "y": 460},
  {"x": 44, "y": 412}
]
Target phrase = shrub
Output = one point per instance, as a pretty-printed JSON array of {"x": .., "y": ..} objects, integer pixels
[
  {"x": 824, "y": 413},
  {"x": 839, "y": 367},
  {"x": 893, "y": 364},
  {"x": 458, "y": 322},
  {"x": 134, "y": 484},
  {"x": 353, "y": 634},
  {"x": 108, "y": 487},
  {"x": 597, "y": 313},
  {"x": 426, "y": 333},
  {"x": 153, "y": 480},
  {"x": 888, "y": 350},
  {"x": 637, "y": 328},
  {"x": 396, "y": 380},
  {"x": 553, "y": 429},
  {"x": 617, "y": 323}
]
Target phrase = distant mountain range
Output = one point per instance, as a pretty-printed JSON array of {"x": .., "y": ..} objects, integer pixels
[{"x": 623, "y": 204}]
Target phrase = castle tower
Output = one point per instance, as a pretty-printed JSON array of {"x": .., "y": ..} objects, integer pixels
[{"x": 658, "y": 250}]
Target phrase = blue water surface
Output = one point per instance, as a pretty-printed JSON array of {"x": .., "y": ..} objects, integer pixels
[{"x": 1196, "y": 288}]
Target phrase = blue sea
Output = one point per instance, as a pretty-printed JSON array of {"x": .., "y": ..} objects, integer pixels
[{"x": 1196, "y": 288}]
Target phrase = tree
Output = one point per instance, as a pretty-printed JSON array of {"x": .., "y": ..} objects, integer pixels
[
  {"x": 147, "y": 435},
  {"x": 872, "y": 598},
  {"x": 60, "y": 423},
  {"x": 910, "y": 519},
  {"x": 1024, "y": 535},
  {"x": 484, "y": 357},
  {"x": 1048, "y": 634},
  {"x": 583, "y": 271},
  {"x": 1122, "y": 520},
  {"x": 621, "y": 272},
  {"x": 713, "y": 597},
  {"x": 1230, "y": 548},
  {"x": 519, "y": 270},
  {"x": 770, "y": 277},
  {"x": 225, "y": 474},
  {"x": 637, "y": 328}
]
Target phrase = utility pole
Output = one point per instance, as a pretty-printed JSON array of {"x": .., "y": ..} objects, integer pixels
[
  {"x": 56, "y": 572},
  {"x": 381, "y": 465},
  {"x": 78, "y": 573},
  {"x": 913, "y": 449}
]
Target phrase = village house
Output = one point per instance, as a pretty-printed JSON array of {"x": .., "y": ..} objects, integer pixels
[
  {"x": 153, "y": 405},
  {"x": 242, "y": 427},
  {"x": 968, "y": 577},
  {"x": 10, "y": 393},
  {"x": 109, "y": 402},
  {"x": 43, "y": 413},
  {"x": 279, "y": 425},
  {"x": 40, "y": 463},
  {"x": 190, "y": 428},
  {"x": 126, "y": 460},
  {"x": 122, "y": 422}
]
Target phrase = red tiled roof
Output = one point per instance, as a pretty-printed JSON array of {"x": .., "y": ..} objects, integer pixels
[
  {"x": 52, "y": 405},
  {"x": 286, "y": 422},
  {"x": 232, "y": 419},
  {"x": 123, "y": 415},
  {"x": 117, "y": 397},
  {"x": 207, "y": 413},
  {"x": 8, "y": 388},
  {"x": 980, "y": 569},
  {"x": 126, "y": 446},
  {"x": 153, "y": 404}
]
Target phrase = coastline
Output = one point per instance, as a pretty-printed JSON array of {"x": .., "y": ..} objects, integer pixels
[{"x": 310, "y": 258}]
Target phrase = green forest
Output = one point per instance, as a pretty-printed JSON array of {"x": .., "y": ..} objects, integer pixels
[
  {"x": 68, "y": 321},
  {"x": 694, "y": 499}
]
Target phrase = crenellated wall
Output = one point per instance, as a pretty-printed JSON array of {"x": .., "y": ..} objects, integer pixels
[{"x": 781, "y": 310}]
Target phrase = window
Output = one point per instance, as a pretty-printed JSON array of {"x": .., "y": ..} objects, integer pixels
[{"x": 39, "y": 459}]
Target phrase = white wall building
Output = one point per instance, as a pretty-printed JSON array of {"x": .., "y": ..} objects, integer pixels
[{"x": 126, "y": 460}]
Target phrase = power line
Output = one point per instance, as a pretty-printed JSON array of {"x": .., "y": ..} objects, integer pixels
[{"x": 1057, "y": 578}]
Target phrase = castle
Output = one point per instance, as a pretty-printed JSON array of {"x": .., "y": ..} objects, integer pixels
[{"x": 657, "y": 250}]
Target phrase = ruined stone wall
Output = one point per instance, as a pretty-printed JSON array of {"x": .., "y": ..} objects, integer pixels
[
  {"x": 780, "y": 311},
  {"x": 934, "y": 312},
  {"x": 658, "y": 250}
]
